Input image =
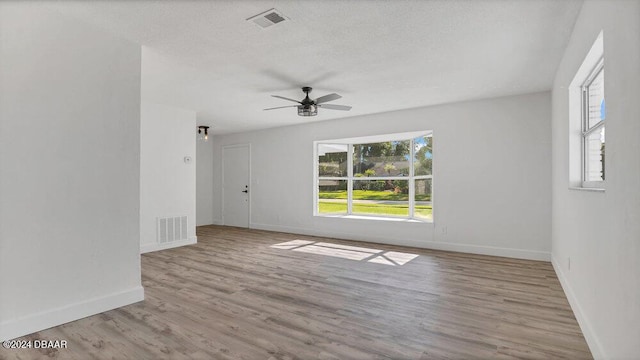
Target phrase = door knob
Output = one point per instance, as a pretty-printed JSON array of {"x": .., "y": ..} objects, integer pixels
[{"x": 245, "y": 191}]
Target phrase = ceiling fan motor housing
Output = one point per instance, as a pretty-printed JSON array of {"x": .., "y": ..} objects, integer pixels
[{"x": 307, "y": 101}]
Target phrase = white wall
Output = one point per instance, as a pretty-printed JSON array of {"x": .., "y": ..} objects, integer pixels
[
  {"x": 491, "y": 177},
  {"x": 204, "y": 182},
  {"x": 600, "y": 232},
  {"x": 167, "y": 182},
  {"x": 69, "y": 170}
]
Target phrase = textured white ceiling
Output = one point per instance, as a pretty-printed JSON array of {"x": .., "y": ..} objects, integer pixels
[{"x": 379, "y": 55}]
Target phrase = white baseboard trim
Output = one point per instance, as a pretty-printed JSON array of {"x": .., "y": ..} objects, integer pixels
[
  {"x": 217, "y": 222},
  {"x": 26, "y": 325},
  {"x": 589, "y": 335},
  {"x": 434, "y": 245},
  {"x": 145, "y": 248}
]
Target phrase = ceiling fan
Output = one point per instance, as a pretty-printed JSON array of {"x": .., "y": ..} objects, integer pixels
[{"x": 309, "y": 107}]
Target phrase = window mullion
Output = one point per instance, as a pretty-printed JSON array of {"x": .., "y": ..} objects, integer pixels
[
  {"x": 585, "y": 125},
  {"x": 412, "y": 187},
  {"x": 349, "y": 179},
  {"x": 316, "y": 180},
  {"x": 585, "y": 108},
  {"x": 383, "y": 178}
]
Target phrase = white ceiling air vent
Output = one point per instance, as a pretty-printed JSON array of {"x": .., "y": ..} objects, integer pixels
[{"x": 268, "y": 18}]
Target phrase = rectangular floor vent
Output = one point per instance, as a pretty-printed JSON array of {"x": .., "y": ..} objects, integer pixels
[{"x": 172, "y": 229}]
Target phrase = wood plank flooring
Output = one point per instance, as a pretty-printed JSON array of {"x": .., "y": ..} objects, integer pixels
[{"x": 233, "y": 296}]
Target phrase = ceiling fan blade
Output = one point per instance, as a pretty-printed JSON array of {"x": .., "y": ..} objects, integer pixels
[
  {"x": 335, "y": 107},
  {"x": 281, "y": 107},
  {"x": 284, "y": 98},
  {"x": 327, "y": 98}
]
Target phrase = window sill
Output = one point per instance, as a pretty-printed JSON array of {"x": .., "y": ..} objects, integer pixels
[
  {"x": 586, "y": 189},
  {"x": 376, "y": 218}
]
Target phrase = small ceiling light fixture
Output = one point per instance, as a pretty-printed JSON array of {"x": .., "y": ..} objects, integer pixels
[{"x": 203, "y": 132}]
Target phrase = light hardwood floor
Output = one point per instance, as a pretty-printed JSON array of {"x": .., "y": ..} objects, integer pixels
[{"x": 233, "y": 296}]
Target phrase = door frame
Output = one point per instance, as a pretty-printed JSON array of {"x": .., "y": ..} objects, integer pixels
[{"x": 233, "y": 146}]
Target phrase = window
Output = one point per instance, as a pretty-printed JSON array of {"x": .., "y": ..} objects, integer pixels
[
  {"x": 593, "y": 123},
  {"x": 587, "y": 118},
  {"x": 370, "y": 177}
]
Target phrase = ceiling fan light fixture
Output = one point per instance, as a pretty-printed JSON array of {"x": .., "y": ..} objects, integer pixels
[{"x": 307, "y": 110}]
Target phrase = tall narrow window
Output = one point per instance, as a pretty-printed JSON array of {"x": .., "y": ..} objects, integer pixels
[
  {"x": 593, "y": 127},
  {"x": 332, "y": 178},
  {"x": 423, "y": 177},
  {"x": 376, "y": 178},
  {"x": 586, "y": 120}
]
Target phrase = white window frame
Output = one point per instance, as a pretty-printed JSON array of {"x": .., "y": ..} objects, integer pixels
[
  {"x": 578, "y": 117},
  {"x": 350, "y": 178},
  {"x": 586, "y": 130}
]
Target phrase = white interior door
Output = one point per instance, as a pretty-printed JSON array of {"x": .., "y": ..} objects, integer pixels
[{"x": 235, "y": 185}]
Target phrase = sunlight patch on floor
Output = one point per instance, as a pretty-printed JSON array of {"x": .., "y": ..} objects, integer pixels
[
  {"x": 392, "y": 258},
  {"x": 291, "y": 244},
  {"x": 329, "y": 251}
]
